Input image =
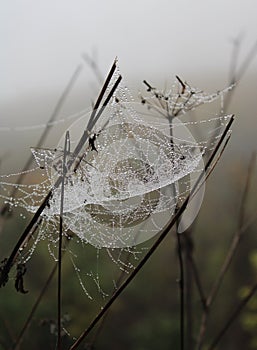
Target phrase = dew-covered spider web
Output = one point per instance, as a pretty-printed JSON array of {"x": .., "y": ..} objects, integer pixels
[{"x": 139, "y": 163}]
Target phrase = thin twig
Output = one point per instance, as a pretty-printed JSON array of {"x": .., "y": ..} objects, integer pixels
[
  {"x": 181, "y": 288},
  {"x": 248, "y": 60},
  {"x": 180, "y": 253},
  {"x": 94, "y": 66},
  {"x": 163, "y": 234},
  {"x": 236, "y": 76},
  {"x": 188, "y": 289},
  {"x": 35, "y": 306},
  {"x": 102, "y": 92},
  {"x": 230, "y": 254},
  {"x": 190, "y": 255},
  {"x": 37, "y": 302},
  {"x": 189, "y": 251},
  {"x": 197, "y": 280},
  {"x": 237, "y": 237},
  {"x": 209, "y": 301},
  {"x": 234, "y": 58},
  {"x": 59, "y": 289}
]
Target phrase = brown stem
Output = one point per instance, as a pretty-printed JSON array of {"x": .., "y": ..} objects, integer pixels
[{"x": 163, "y": 234}]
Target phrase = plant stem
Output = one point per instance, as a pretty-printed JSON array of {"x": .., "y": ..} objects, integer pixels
[
  {"x": 229, "y": 256},
  {"x": 180, "y": 252},
  {"x": 181, "y": 287},
  {"x": 28, "y": 321},
  {"x": 163, "y": 234},
  {"x": 59, "y": 290}
]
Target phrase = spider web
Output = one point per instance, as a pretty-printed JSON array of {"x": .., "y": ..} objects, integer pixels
[{"x": 141, "y": 162}]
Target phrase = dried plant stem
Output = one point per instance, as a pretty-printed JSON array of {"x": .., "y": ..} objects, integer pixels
[
  {"x": 180, "y": 253},
  {"x": 191, "y": 266},
  {"x": 197, "y": 280},
  {"x": 163, "y": 234},
  {"x": 59, "y": 289},
  {"x": 33, "y": 310},
  {"x": 230, "y": 254},
  {"x": 237, "y": 75},
  {"x": 37, "y": 302},
  {"x": 191, "y": 275},
  {"x": 181, "y": 288},
  {"x": 234, "y": 58},
  {"x": 94, "y": 66},
  {"x": 188, "y": 300},
  {"x": 93, "y": 119},
  {"x": 190, "y": 257},
  {"x": 247, "y": 61},
  {"x": 220, "y": 277}
]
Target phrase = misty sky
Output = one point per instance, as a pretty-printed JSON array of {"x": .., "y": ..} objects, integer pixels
[
  {"x": 43, "y": 40},
  {"x": 42, "y": 43}
]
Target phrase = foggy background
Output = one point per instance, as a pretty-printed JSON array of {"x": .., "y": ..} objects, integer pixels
[{"x": 42, "y": 44}]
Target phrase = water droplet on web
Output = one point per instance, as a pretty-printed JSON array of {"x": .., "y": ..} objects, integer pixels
[{"x": 124, "y": 191}]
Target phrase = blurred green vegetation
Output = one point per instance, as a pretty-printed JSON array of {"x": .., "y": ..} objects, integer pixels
[{"x": 146, "y": 315}]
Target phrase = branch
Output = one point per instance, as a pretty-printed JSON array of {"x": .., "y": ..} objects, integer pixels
[{"x": 163, "y": 234}]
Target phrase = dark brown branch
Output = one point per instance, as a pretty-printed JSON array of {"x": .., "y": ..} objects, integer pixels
[
  {"x": 182, "y": 84},
  {"x": 163, "y": 234}
]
